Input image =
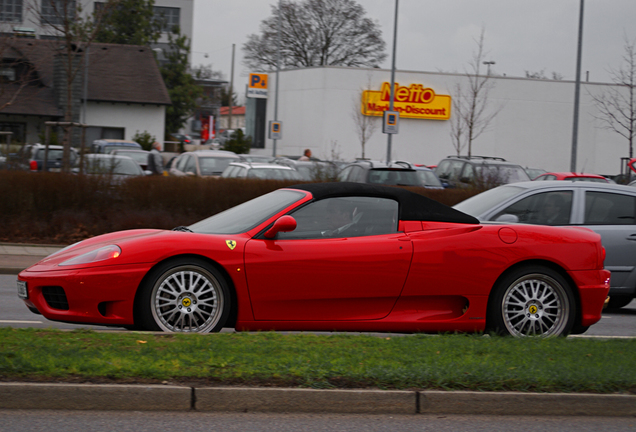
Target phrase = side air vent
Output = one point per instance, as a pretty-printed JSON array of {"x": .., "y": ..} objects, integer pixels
[{"x": 55, "y": 297}]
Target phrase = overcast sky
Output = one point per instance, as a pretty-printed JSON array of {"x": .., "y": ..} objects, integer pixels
[{"x": 439, "y": 35}]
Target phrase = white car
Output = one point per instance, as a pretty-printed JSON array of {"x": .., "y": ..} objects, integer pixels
[
  {"x": 263, "y": 171},
  {"x": 202, "y": 163}
]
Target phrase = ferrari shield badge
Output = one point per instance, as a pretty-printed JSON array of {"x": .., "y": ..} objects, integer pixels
[{"x": 231, "y": 244}]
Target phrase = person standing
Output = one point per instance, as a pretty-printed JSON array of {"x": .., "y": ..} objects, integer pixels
[{"x": 155, "y": 161}]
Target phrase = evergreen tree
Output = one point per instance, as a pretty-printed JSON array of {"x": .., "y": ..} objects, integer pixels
[
  {"x": 181, "y": 85},
  {"x": 129, "y": 22}
]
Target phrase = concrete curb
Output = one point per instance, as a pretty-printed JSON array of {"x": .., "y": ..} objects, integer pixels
[
  {"x": 289, "y": 400},
  {"x": 95, "y": 397}
]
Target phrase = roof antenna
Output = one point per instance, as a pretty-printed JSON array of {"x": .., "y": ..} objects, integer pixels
[{"x": 583, "y": 169}]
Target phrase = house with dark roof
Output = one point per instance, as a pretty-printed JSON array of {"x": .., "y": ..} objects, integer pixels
[{"x": 117, "y": 89}]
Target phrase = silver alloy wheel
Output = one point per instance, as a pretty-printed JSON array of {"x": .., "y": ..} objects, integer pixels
[
  {"x": 187, "y": 299},
  {"x": 535, "y": 305}
]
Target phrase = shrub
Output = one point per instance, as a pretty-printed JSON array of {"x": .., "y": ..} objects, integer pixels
[
  {"x": 144, "y": 139},
  {"x": 64, "y": 208}
]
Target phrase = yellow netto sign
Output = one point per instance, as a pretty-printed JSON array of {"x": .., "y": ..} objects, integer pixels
[{"x": 414, "y": 101}]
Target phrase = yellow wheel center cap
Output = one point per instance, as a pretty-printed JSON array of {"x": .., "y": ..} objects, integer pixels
[
  {"x": 533, "y": 309},
  {"x": 186, "y": 302}
]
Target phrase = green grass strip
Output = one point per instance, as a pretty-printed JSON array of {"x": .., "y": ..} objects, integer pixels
[{"x": 450, "y": 362}]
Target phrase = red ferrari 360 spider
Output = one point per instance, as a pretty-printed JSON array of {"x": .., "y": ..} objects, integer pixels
[{"x": 330, "y": 257}]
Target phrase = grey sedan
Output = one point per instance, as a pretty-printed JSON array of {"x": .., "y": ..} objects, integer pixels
[{"x": 607, "y": 209}]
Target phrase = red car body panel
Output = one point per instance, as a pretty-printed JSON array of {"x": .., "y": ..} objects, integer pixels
[
  {"x": 429, "y": 276},
  {"x": 572, "y": 176}
]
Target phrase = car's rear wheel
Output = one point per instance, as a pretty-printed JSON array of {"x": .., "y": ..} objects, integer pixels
[
  {"x": 533, "y": 301},
  {"x": 185, "y": 295},
  {"x": 617, "y": 302}
]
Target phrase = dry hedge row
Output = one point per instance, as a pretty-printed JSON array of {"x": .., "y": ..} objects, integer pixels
[{"x": 63, "y": 208}]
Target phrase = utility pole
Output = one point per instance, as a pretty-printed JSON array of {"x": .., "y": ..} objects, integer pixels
[
  {"x": 392, "y": 94},
  {"x": 229, "y": 119},
  {"x": 577, "y": 91},
  {"x": 277, "y": 73}
]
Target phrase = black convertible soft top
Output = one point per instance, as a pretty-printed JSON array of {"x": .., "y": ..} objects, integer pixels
[{"x": 413, "y": 206}]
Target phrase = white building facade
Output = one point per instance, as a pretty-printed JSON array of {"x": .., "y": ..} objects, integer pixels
[{"x": 533, "y": 125}]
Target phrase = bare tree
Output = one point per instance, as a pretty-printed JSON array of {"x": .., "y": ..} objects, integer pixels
[
  {"x": 365, "y": 125},
  {"x": 316, "y": 33},
  {"x": 470, "y": 103},
  {"x": 616, "y": 105},
  {"x": 75, "y": 32}
]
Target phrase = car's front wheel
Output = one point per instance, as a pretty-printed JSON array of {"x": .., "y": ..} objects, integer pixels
[
  {"x": 185, "y": 295},
  {"x": 532, "y": 301}
]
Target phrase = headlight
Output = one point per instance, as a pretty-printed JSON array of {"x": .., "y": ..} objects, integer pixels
[
  {"x": 62, "y": 250},
  {"x": 101, "y": 254}
]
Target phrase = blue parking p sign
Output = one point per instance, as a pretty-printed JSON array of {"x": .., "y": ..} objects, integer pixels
[
  {"x": 391, "y": 122},
  {"x": 275, "y": 130}
]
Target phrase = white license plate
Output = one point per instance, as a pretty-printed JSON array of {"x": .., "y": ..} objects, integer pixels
[
  {"x": 22, "y": 290},
  {"x": 55, "y": 169}
]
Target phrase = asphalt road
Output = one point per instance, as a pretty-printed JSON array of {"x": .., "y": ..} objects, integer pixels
[
  {"x": 98, "y": 421},
  {"x": 14, "y": 313}
]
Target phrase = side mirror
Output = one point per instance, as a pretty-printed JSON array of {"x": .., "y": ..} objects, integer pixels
[
  {"x": 508, "y": 218},
  {"x": 283, "y": 224}
]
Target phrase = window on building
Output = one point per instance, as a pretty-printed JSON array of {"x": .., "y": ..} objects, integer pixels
[
  {"x": 11, "y": 11},
  {"x": 18, "y": 129},
  {"x": 168, "y": 16},
  {"x": 54, "y": 11},
  {"x": 7, "y": 74}
]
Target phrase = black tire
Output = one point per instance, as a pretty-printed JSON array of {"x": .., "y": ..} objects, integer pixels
[
  {"x": 617, "y": 302},
  {"x": 532, "y": 301},
  {"x": 184, "y": 295}
]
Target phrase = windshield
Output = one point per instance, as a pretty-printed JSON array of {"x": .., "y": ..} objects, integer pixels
[
  {"x": 273, "y": 174},
  {"x": 214, "y": 165},
  {"x": 428, "y": 178},
  {"x": 110, "y": 148},
  {"x": 246, "y": 216},
  {"x": 479, "y": 204},
  {"x": 390, "y": 176},
  {"x": 54, "y": 154},
  {"x": 139, "y": 157},
  {"x": 116, "y": 166}
]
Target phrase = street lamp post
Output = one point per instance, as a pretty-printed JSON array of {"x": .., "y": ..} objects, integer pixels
[
  {"x": 392, "y": 94},
  {"x": 489, "y": 63}
]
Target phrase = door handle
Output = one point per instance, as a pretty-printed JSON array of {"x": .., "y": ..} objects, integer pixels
[{"x": 631, "y": 237}]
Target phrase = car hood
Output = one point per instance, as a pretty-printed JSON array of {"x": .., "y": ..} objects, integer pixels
[{"x": 142, "y": 246}]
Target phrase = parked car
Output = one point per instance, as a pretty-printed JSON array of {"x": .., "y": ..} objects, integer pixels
[
  {"x": 572, "y": 177},
  {"x": 139, "y": 156},
  {"x": 180, "y": 138},
  {"x": 479, "y": 171},
  {"x": 106, "y": 146},
  {"x": 256, "y": 158},
  {"x": 31, "y": 157},
  {"x": 311, "y": 170},
  {"x": 116, "y": 166},
  {"x": 263, "y": 171},
  {"x": 329, "y": 257},
  {"x": 203, "y": 163},
  {"x": 533, "y": 173},
  {"x": 606, "y": 209},
  {"x": 395, "y": 174}
]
